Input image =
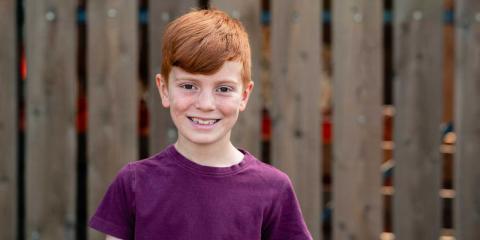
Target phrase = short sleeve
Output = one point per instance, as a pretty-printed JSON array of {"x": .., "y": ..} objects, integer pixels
[
  {"x": 115, "y": 215},
  {"x": 284, "y": 220}
]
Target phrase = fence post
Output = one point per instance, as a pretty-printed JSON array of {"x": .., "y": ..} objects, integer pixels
[
  {"x": 417, "y": 135},
  {"x": 51, "y": 87},
  {"x": 162, "y": 130},
  {"x": 113, "y": 95},
  {"x": 467, "y": 119},
  {"x": 8, "y": 120},
  {"x": 357, "y": 119},
  {"x": 246, "y": 133},
  {"x": 296, "y": 101}
]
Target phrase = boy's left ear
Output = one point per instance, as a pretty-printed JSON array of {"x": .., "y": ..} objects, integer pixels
[{"x": 246, "y": 95}]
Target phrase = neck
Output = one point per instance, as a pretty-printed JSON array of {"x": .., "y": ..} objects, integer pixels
[{"x": 220, "y": 154}]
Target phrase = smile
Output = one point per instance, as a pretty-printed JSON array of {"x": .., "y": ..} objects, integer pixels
[{"x": 205, "y": 122}]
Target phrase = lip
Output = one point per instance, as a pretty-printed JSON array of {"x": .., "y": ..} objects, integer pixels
[{"x": 196, "y": 124}]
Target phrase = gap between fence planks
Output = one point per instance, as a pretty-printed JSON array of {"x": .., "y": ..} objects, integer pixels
[
  {"x": 113, "y": 95},
  {"x": 246, "y": 133},
  {"x": 358, "y": 86},
  {"x": 418, "y": 62},
  {"x": 467, "y": 119},
  {"x": 162, "y": 129},
  {"x": 51, "y": 42},
  {"x": 296, "y": 102},
  {"x": 8, "y": 120}
]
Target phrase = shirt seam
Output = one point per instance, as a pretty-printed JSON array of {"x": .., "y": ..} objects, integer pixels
[
  {"x": 218, "y": 174},
  {"x": 195, "y": 171}
]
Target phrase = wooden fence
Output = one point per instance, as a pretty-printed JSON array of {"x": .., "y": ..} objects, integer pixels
[{"x": 100, "y": 57}]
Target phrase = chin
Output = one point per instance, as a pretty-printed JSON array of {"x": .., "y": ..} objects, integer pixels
[{"x": 204, "y": 139}]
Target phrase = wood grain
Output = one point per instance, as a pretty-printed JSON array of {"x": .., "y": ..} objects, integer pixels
[
  {"x": 296, "y": 101},
  {"x": 8, "y": 120},
  {"x": 113, "y": 94},
  {"x": 357, "y": 119},
  {"x": 418, "y": 62},
  {"x": 467, "y": 119},
  {"x": 51, "y": 87}
]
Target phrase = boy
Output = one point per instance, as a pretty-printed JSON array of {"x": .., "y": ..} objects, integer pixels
[{"x": 202, "y": 187}]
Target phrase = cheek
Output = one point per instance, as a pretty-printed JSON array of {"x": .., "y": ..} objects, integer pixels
[
  {"x": 179, "y": 104},
  {"x": 229, "y": 107}
]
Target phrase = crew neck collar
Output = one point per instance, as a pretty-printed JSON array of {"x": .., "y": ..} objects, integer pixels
[{"x": 207, "y": 170}]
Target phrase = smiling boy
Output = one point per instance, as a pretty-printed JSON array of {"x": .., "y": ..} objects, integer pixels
[{"x": 202, "y": 187}]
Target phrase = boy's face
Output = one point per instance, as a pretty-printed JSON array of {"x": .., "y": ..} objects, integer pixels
[{"x": 204, "y": 108}]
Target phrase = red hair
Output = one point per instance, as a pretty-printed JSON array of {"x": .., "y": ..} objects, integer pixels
[{"x": 200, "y": 42}]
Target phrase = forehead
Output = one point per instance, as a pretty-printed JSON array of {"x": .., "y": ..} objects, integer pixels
[{"x": 230, "y": 71}]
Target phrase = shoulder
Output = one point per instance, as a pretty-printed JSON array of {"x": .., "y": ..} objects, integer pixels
[
  {"x": 269, "y": 174},
  {"x": 156, "y": 164},
  {"x": 150, "y": 163}
]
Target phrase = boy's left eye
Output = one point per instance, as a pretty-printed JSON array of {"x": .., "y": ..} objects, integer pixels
[{"x": 224, "y": 89}]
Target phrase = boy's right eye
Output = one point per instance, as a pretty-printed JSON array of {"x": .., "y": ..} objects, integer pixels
[{"x": 188, "y": 86}]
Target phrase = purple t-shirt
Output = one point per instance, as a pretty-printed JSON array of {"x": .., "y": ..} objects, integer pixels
[{"x": 170, "y": 197}]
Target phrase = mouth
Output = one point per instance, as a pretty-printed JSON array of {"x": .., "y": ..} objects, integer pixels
[{"x": 203, "y": 121}]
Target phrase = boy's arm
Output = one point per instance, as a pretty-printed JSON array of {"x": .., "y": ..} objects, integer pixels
[
  {"x": 115, "y": 214},
  {"x": 285, "y": 220},
  {"x": 112, "y": 238}
]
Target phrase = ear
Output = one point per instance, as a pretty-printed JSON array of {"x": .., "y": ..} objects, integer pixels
[
  {"x": 162, "y": 87},
  {"x": 246, "y": 95}
]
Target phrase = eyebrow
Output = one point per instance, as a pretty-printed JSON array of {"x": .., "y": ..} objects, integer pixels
[
  {"x": 186, "y": 78},
  {"x": 226, "y": 80}
]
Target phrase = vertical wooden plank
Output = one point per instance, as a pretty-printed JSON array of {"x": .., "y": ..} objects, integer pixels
[
  {"x": 418, "y": 99},
  {"x": 51, "y": 40},
  {"x": 357, "y": 119},
  {"x": 162, "y": 129},
  {"x": 246, "y": 133},
  {"x": 8, "y": 120},
  {"x": 112, "y": 94},
  {"x": 295, "y": 105},
  {"x": 467, "y": 119}
]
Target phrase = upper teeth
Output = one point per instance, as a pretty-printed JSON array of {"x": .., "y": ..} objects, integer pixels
[{"x": 204, "y": 122}]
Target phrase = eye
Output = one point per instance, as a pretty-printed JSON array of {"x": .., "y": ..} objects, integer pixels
[
  {"x": 187, "y": 86},
  {"x": 224, "y": 89}
]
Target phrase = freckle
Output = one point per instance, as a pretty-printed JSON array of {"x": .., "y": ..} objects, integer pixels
[
  {"x": 298, "y": 133},
  {"x": 341, "y": 226},
  {"x": 303, "y": 55}
]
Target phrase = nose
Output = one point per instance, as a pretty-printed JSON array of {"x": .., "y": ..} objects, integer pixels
[{"x": 205, "y": 101}]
